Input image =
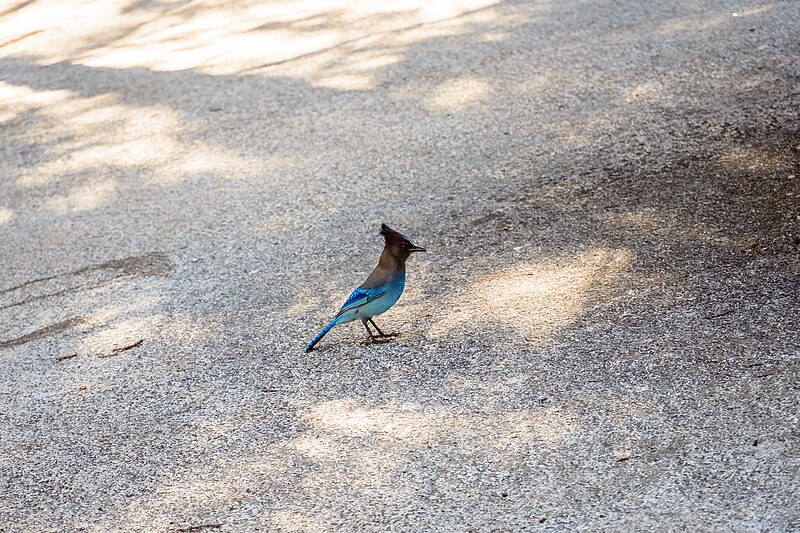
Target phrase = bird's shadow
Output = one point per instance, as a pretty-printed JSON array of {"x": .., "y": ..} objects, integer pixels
[{"x": 387, "y": 338}]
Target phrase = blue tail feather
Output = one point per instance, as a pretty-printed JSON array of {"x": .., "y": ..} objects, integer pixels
[{"x": 320, "y": 335}]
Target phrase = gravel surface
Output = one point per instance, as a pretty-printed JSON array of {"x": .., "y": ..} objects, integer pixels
[{"x": 603, "y": 335}]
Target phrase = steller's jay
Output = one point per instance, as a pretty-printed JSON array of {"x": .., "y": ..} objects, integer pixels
[{"x": 382, "y": 288}]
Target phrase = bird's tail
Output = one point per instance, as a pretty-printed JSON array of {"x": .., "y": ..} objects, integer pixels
[{"x": 320, "y": 335}]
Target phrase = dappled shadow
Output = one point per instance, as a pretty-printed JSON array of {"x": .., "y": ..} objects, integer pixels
[
  {"x": 15, "y": 6},
  {"x": 606, "y": 318}
]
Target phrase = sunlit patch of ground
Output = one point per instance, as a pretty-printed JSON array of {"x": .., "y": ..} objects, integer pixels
[
  {"x": 702, "y": 24},
  {"x": 321, "y": 38},
  {"x": 6, "y": 214},
  {"x": 459, "y": 94},
  {"x": 536, "y": 299}
]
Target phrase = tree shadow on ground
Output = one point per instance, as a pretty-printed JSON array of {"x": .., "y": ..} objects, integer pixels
[{"x": 606, "y": 319}]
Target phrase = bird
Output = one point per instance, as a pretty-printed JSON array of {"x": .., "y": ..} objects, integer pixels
[{"x": 381, "y": 290}]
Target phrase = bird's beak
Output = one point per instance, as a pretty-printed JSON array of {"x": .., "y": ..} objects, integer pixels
[{"x": 416, "y": 248}]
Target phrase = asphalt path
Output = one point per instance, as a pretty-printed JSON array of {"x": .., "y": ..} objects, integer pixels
[{"x": 602, "y": 336}]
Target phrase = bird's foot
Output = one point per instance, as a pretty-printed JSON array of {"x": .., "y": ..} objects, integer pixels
[{"x": 377, "y": 339}]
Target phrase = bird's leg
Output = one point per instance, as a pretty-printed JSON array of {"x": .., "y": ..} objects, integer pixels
[
  {"x": 366, "y": 325},
  {"x": 380, "y": 338},
  {"x": 382, "y": 334}
]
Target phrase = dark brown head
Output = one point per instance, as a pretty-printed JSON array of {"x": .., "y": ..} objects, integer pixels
[{"x": 398, "y": 244}]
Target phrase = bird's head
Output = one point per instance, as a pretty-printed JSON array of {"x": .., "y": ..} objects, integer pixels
[{"x": 398, "y": 244}]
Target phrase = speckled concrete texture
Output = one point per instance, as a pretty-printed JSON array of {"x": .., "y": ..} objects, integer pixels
[{"x": 603, "y": 335}]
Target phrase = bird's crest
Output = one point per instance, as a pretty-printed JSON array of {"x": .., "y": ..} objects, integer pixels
[{"x": 392, "y": 235}]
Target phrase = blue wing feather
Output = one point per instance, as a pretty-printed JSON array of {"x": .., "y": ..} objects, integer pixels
[
  {"x": 358, "y": 294},
  {"x": 360, "y": 297}
]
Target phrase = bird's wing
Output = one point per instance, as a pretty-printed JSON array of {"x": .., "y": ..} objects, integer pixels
[{"x": 359, "y": 298}]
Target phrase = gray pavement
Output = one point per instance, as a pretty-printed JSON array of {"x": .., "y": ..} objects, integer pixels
[{"x": 603, "y": 335}]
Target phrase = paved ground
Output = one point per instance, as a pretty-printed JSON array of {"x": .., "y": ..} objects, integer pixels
[{"x": 602, "y": 337}]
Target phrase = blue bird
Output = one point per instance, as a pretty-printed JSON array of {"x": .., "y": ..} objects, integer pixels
[{"x": 382, "y": 288}]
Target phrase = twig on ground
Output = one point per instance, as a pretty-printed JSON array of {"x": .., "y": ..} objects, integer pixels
[
  {"x": 710, "y": 317},
  {"x": 198, "y": 527},
  {"x": 119, "y": 350},
  {"x": 17, "y": 39},
  {"x": 502, "y": 276},
  {"x": 778, "y": 370},
  {"x": 270, "y": 390},
  {"x": 65, "y": 357}
]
